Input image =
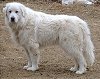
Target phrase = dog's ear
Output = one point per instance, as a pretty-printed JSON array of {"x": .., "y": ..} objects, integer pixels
[
  {"x": 5, "y": 8},
  {"x": 23, "y": 9}
]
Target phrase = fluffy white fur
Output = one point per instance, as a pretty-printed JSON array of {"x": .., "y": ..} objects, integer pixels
[{"x": 33, "y": 30}]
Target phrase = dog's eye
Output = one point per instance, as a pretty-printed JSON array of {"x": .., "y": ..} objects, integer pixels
[
  {"x": 10, "y": 11},
  {"x": 16, "y": 11}
]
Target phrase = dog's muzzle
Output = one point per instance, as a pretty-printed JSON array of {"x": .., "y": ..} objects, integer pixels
[{"x": 12, "y": 19}]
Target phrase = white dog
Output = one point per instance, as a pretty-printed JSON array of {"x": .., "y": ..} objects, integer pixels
[
  {"x": 33, "y": 30},
  {"x": 68, "y": 2}
]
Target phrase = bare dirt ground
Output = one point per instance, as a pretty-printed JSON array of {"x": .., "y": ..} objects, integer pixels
[{"x": 54, "y": 64}]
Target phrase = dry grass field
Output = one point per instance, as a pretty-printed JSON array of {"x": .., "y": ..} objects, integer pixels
[{"x": 54, "y": 64}]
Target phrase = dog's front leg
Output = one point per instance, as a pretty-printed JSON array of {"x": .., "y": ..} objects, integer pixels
[
  {"x": 29, "y": 60},
  {"x": 34, "y": 56}
]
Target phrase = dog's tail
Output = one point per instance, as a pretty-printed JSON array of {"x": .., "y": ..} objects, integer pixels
[{"x": 88, "y": 45}]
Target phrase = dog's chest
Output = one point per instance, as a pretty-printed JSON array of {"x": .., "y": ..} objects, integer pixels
[{"x": 20, "y": 37}]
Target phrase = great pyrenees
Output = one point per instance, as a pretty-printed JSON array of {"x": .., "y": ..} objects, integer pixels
[{"x": 33, "y": 30}]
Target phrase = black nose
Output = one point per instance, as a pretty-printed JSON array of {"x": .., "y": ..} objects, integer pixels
[{"x": 12, "y": 19}]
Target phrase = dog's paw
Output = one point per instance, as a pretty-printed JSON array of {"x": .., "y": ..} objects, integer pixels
[
  {"x": 73, "y": 69},
  {"x": 32, "y": 68},
  {"x": 81, "y": 71},
  {"x": 25, "y": 67}
]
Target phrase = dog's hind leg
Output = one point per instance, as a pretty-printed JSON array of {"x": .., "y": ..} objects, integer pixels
[
  {"x": 81, "y": 62},
  {"x": 73, "y": 47}
]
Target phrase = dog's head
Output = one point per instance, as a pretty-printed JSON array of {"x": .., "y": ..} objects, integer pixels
[{"x": 14, "y": 12}]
